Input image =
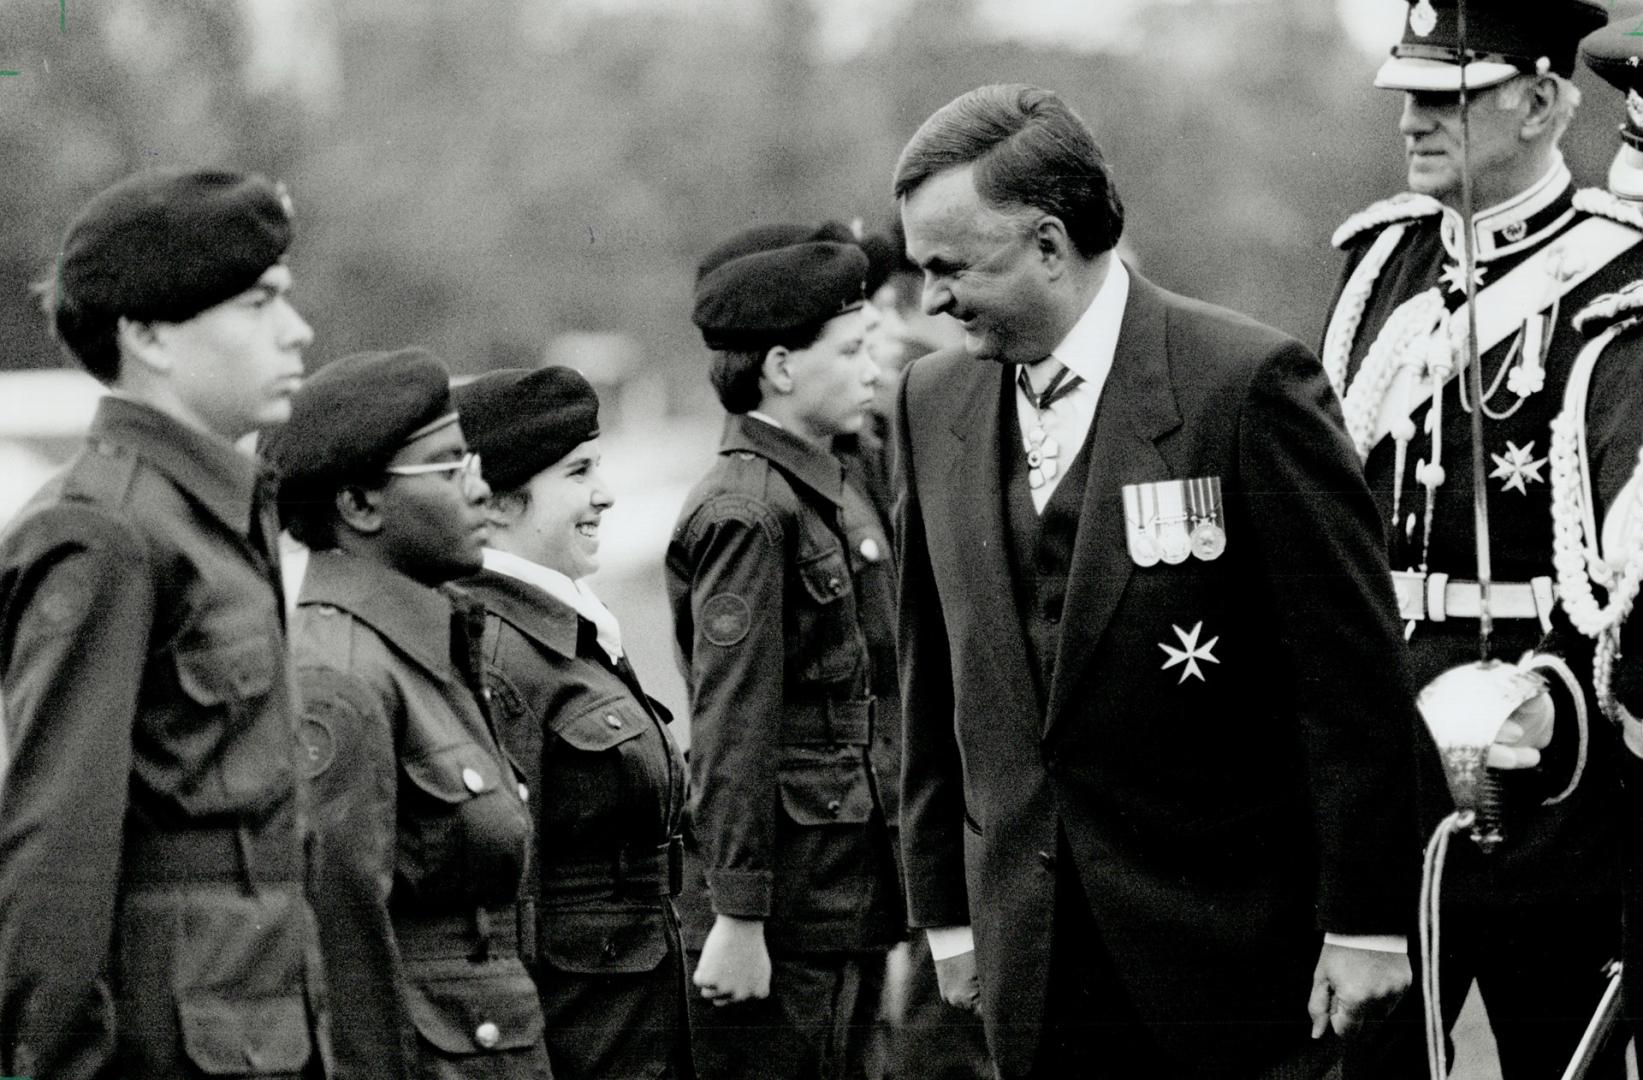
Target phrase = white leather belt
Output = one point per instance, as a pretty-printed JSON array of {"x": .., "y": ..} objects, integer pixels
[{"x": 1434, "y": 597}]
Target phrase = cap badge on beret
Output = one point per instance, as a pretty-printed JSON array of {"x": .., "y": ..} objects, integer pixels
[
  {"x": 1423, "y": 18},
  {"x": 283, "y": 194}
]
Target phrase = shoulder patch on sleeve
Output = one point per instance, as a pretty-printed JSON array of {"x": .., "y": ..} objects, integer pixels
[
  {"x": 726, "y": 619},
  {"x": 1404, "y": 206},
  {"x": 319, "y": 744}
]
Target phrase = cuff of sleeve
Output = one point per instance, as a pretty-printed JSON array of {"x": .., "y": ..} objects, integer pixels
[
  {"x": 744, "y": 894},
  {"x": 1392, "y": 943},
  {"x": 949, "y": 941}
]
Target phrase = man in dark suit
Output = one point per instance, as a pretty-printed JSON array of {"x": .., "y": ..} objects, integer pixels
[{"x": 1158, "y": 712}]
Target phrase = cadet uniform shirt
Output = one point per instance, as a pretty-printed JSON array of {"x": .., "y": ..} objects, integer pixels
[
  {"x": 151, "y": 829},
  {"x": 423, "y": 831}
]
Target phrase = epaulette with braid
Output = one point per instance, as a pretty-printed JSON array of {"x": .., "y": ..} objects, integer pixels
[
  {"x": 1609, "y": 205},
  {"x": 1609, "y": 309},
  {"x": 1404, "y": 206}
]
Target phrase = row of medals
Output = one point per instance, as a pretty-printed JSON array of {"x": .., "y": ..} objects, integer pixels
[{"x": 1174, "y": 519}]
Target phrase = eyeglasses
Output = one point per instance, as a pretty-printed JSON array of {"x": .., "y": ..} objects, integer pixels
[{"x": 467, "y": 465}]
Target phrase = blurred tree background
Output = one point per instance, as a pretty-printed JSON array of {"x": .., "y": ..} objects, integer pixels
[{"x": 488, "y": 176}]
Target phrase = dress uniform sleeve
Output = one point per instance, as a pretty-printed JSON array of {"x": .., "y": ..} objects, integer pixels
[
  {"x": 351, "y": 750},
  {"x": 1321, "y": 551},
  {"x": 76, "y": 608},
  {"x": 737, "y": 669},
  {"x": 932, "y": 792}
]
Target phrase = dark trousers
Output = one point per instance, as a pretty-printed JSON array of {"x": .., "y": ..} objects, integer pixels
[
  {"x": 1538, "y": 968},
  {"x": 817, "y": 1023},
  {"x": 1092, "y": 1029}
]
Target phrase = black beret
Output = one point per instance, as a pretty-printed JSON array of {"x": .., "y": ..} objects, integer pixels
[
  {"x": 1506, "y": 38},
  {"x": 884, "y": 258},
  {"x": 164, "y": 246},
  {"x": 522, "y": 421},
  {"x": 351, "y": 417},
  {"x": 771, "y": 280},
  {"x": 1615, "y": 53}
]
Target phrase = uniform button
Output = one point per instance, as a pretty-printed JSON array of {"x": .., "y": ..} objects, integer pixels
[
  {"x": 1046, "y": 860},
  {"x": 613, "y": 720},
  {"x": 834, "y": 806},
  {"x": 472, "y": 780},
  {"x": 524, "y": 793},
  {"x": 834, "y": 585},
  {"x": 610, "y": 949},
  {"x": 487, "y": 1035},
  {"x": 870, "y": 549},
  {"x": 487, "y": 693}
]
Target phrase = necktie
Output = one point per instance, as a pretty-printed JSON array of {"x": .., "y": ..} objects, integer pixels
[{"x": 1043, "y": 450}]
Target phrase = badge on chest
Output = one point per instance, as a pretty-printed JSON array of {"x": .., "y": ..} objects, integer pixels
[{"x": 1172, "y": 520}]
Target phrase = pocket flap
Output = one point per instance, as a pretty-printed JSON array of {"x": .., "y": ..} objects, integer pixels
[
  {"x": 826, "y": 790},
  {"x": 826, "y": 577},
  {"x": 492, "y": 1007},
  {"x": 610, "y": 723},
  {"x": 619, "y": 940},
  {"x": 454, "y": 774},
  {"x": 217, "y": 672},
  {"x": 245, "y": 1037}
]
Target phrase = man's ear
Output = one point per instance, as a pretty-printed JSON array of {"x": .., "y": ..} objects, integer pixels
[
  {"x": 359, "y": 508},
  {"x": 1542, "y": 98},
  {"x": 139, "y": 343},
  {"x": 1055, "y": 247},
  {"x": 777, "y": 370}
]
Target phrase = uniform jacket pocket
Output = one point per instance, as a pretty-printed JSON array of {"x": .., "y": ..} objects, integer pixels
[
  {"x": 614, "y": 940},
  {"x": 464, "y": 1008},
  {"x": 604, "y": 725},
  {"x": 245, "y": 1036},
  {"x": 220, "y": 673},
  {"x": 830, "y": 788},
  {"x": 828, "y": 642}
]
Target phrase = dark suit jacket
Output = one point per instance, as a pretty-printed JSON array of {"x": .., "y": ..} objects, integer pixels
[{"x": 1218, "y": 825}]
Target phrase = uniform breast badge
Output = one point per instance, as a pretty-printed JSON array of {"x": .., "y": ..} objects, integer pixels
[
  {"x": 1190, "y": 653},
  {"x": 1172, "y": 520},
  {"x": 1423, "y": 18}
]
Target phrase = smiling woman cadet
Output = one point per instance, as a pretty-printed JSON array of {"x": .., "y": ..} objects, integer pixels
[
  {"x": 606, "y": 781},
  {"x": 423, "y": 831}
]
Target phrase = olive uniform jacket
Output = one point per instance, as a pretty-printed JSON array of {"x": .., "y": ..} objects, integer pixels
[
  {"x": 786, "y": 819},
  {"x": 607, "y": 787},
  {"x": 152, "y": 828},
  {"x": 423, "y": 832},
  {"x": 1221, "y": 821}
]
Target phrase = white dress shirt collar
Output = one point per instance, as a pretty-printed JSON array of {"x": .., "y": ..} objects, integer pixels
[{"x": 573, "y": 594}]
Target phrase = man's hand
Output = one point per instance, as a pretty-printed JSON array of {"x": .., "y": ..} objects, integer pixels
[
  {"x": 735, "y": 965},
  {"x": 1524, "y": 735},
  {"x": 1353, "y": 987},
  {"x": 959, "y": 984}
]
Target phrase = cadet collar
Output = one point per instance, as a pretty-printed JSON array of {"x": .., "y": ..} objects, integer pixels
[
  {"x": 812, "y": 466},
  {"x": 208, "y": 468},
  {"x": 1524, "y": 221},
  {"x": 415, "y": 619},
  {"x": 516, "y": 590}
]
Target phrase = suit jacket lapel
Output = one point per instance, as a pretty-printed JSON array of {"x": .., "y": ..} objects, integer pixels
[
  {"x": 975, "y": 484},
  {"x": 1137, "y": 408}
]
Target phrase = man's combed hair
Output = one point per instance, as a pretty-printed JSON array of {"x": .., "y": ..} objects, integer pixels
[{"x": 1029, "y": 149}]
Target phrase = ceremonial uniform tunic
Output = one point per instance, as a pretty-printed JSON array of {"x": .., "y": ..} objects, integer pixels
[
  {"x": 607, "y": 789},
  {"x": 152, "y": 829},
  {"x": 787, "y": 823},
  {"x": 1556, "y": 858},
  {"x": 424, "y": 836}
]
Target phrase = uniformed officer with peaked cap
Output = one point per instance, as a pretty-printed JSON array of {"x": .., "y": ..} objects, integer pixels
[
  {"x": 1597, "y": 496},
  {"x": 791, "y": 889},
  {"x": 424, "y": 832},
  {"x": 1533, "y": 920},
  {"x": 607, "y": 777},
  {"x": 153, "y": 824}
]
